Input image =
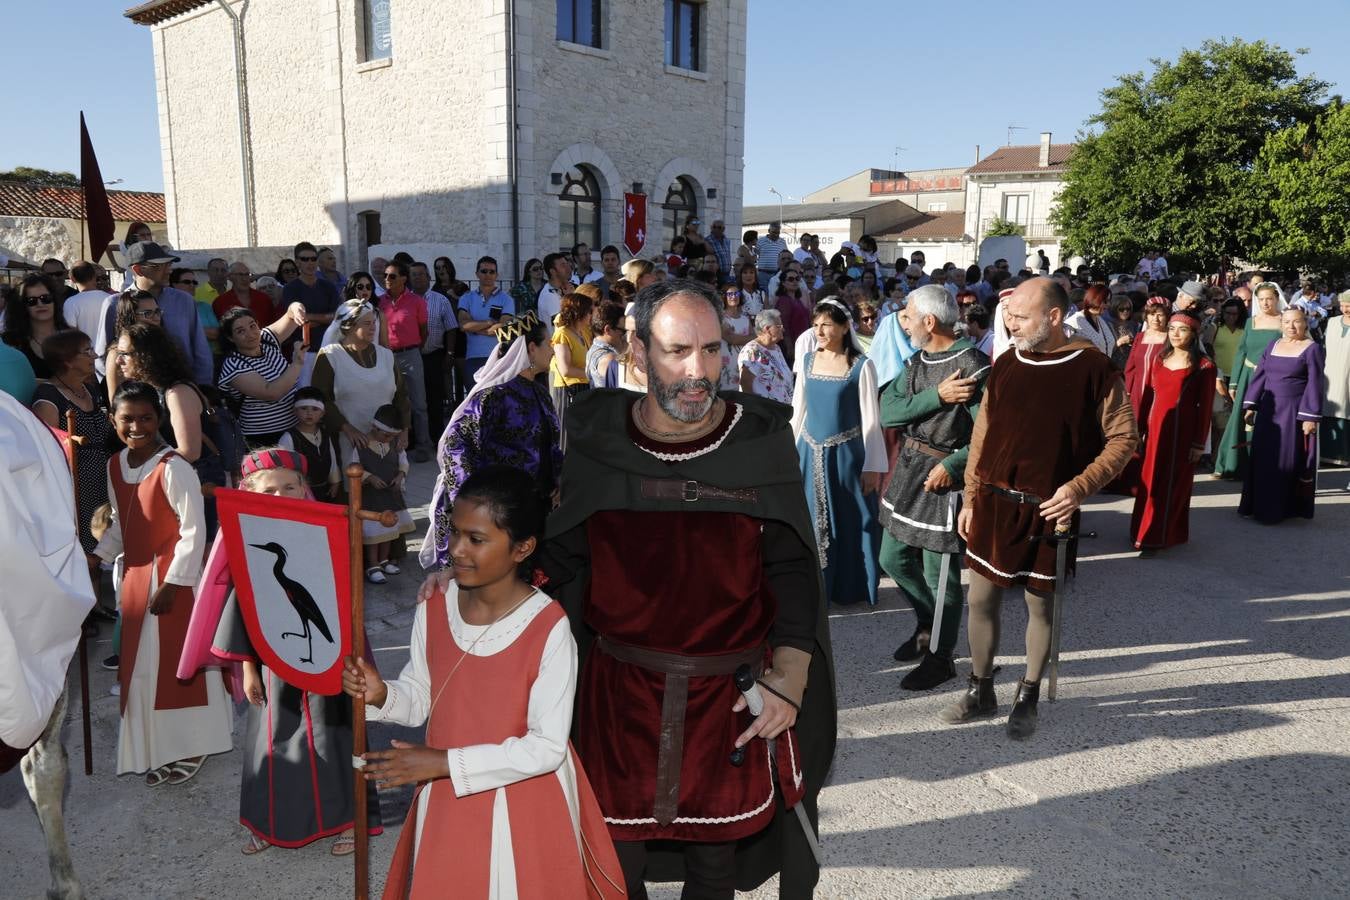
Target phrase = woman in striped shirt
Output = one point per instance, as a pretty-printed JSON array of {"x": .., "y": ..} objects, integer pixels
[{"x": 256, "y": 374}]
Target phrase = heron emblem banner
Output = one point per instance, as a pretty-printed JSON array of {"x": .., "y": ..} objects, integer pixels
[{"x": 290, "y": 561}]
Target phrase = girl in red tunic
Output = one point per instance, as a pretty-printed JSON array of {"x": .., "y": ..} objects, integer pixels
[
  {"x": 502, "y": 807},
  {"x": 1178, "y": 409},
  {"x": 169, "y": 725}
]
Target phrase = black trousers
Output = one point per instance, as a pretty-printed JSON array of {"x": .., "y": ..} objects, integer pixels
[
  {"x": 433, "y": 375},
  {"x": 710, "y": 869}
]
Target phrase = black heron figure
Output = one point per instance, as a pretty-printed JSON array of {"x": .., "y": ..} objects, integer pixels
[{"x": 300, "y": 598}]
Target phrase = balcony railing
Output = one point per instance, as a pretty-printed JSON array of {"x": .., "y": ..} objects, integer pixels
[{"x": 1032, "y": 230}]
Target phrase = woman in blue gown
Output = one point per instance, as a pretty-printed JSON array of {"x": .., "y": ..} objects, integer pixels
[{"x": 836, "y": 420}]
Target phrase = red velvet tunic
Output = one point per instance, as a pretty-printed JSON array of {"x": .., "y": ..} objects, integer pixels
[
  {"x": 1179, "y": 410},
  {"x": 691, "y": 583}
]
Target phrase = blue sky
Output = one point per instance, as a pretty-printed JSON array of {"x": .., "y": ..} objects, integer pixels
[{"x": 831, "y": 89}]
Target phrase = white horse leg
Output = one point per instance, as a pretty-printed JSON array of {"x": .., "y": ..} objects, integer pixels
[{"x": 44, "y": 774}]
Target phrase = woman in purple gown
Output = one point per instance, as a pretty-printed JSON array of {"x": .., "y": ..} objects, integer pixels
[
  {"x": 1283, "y": 404},
  {"x": 508, "y": 419}
]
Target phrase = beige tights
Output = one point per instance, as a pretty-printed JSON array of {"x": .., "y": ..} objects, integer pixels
[{"x": 984, "y": 601}]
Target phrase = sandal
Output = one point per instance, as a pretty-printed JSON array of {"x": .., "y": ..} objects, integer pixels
[
  {"x": 156, "y": 777},
  {"x": 185, "y": 769},
  {"x": 344, "y": 844},
  {"x": 254, "y": 846},
  {"x": 375, "y": 575}
]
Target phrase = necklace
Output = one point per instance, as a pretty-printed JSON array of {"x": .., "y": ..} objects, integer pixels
[
  {"x": 79, "y": 397},
  {"x": 715, "y": 417},
  {"x": 474, "y": 643}
]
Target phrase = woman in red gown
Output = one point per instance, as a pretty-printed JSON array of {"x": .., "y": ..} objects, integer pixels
[
  {"x": 1177, "y": 412},
  {"x": 1146, "y": 347}
]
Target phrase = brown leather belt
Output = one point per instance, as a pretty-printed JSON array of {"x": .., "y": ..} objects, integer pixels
[
  {"x": 925, "y": 449},
  {"x": 693, "y": 491},
  {"x": 678, "y": 669}
]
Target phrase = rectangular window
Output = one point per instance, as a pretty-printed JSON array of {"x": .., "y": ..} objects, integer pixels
[
  {"x": 579, "y": 22},
  {"x": 1017, "y": 208},
  {"x": 937, "y": 207},
  {"x": 376, "y": 31},
  {"x": 684, "y": 34}
]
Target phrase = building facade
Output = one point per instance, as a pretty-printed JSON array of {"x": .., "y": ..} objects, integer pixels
[
  {"x": 1020, "y": 185},
  {"x": 446, "y": 127},
  {"x": 927, "y": 190}
]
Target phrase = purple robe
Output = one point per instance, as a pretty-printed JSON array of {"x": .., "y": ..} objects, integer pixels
[
  {"x": 513, "y": 424},
  {"x": 1285, "y": 391}
]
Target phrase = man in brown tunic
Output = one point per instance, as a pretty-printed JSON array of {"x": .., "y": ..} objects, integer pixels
[{"x": 1054, "y": 428}]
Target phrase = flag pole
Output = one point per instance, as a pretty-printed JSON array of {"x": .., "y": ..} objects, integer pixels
[
  {"x": 360, "y": 826},
  {"x": 74, "y": 442}
]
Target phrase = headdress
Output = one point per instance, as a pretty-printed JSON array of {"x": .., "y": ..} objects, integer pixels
[
  {"x": 520, "y": 325},
  {"x": 274, "y": 458}
]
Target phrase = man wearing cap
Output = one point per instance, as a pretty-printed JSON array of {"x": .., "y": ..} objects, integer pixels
[
  {"x": 1188, "y": 299},
  {"x": 148, "y": 268}
]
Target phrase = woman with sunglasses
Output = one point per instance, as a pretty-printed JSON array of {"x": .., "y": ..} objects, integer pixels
[
  {"x": 794, "y": 305},
  {"x": 32, "y": 318},
  {"x": 526, "y": 291},
  {"x": 132, "y": 308},
  {"x": 73, "y": 386}
]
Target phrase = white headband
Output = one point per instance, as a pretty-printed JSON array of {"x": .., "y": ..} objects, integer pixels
[{"x": 308, "y": 403}]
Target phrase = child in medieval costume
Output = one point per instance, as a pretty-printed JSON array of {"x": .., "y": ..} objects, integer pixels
[
  {"x": 386, "y": 470},
  {"x": 502, "y": 809},
  {"x": 318, "y": 447},
  {"x": 297, "y": 774},
  {"x": 169, "y": 725}
]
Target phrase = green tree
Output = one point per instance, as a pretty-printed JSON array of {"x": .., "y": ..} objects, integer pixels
[
  {"x": 1306, "y": 173},
  {"x": 1168, "y": 162},
  {"x": 40, "y": 177}
]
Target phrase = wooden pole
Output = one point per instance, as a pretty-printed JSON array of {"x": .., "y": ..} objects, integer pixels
[
  {"x": 360, "y": 826},
  {"x": 83, "y": 647}
]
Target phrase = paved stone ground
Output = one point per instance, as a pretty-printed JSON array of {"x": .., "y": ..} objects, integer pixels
[{"x": 1200, "y": 747}]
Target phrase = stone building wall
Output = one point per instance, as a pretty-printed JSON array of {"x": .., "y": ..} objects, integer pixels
[{"x": 421, "y": 139}]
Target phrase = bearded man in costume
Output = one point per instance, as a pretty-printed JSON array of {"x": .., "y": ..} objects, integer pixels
[
  {"x": 1054, "y": 428},
  {"x": 682, "y": 552},
  {"x": 933, "y": 403}
]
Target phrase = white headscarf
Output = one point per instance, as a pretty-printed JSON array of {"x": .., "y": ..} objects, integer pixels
[{"x": 358, "y": 308}]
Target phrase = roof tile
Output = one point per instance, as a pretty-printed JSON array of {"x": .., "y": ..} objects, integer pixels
[
  {"x": 1024, "y": 158},
  {"x": 19, "y": 199}
]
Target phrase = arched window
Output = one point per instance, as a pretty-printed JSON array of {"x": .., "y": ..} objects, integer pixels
[
  {"x": 680, "y": 206},
  {"x": 579, "y": 209}
]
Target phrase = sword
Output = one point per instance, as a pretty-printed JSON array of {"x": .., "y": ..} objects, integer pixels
[
  {"x": 943, "y": 572},
  {"x": 1061, "y": 537}
]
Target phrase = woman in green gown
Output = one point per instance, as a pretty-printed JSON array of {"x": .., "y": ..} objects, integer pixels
[{"x": 1262, "y": 330}]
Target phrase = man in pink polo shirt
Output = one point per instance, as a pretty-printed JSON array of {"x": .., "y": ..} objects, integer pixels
[{"x": 406, "y": 314}]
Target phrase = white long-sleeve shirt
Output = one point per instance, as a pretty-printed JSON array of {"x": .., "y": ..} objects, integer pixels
[
  {"x": 543, "y": 746},
  {"x": 869, "y": 407},
  {"x": 184, "y": 492}
]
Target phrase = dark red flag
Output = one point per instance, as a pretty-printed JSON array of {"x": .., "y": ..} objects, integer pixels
[
  {"x": 635, "y": 222},
  {"x": 97, "y": 213}
]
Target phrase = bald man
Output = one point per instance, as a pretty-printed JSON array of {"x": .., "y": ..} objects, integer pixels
[{"x": 1054, "y": 428}]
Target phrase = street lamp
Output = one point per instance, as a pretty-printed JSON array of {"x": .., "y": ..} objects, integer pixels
[{"x": 775, "y": 192}]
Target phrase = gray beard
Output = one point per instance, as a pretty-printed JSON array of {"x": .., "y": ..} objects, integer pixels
[
  {"x": 668, "y": 397},
  {"x": 1029, "y": 343}
]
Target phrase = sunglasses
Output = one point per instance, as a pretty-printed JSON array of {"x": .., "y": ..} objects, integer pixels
[
  {"x": 306, "y": 259},
  {"x": 390, "y": 276},
  {"x": 150, "y": 313},
  {"x": 867, "y": 318},
  {"x": 191, "y": 281},
  {"x": 792, "y": 278},
  {"x": 494, "y": 271},
  {"x": 39, "y": 300}
]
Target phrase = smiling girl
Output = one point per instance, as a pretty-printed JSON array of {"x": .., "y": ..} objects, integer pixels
[
  {"x": 169, "y": 726},
  {"x": 501, "y": 800}
]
